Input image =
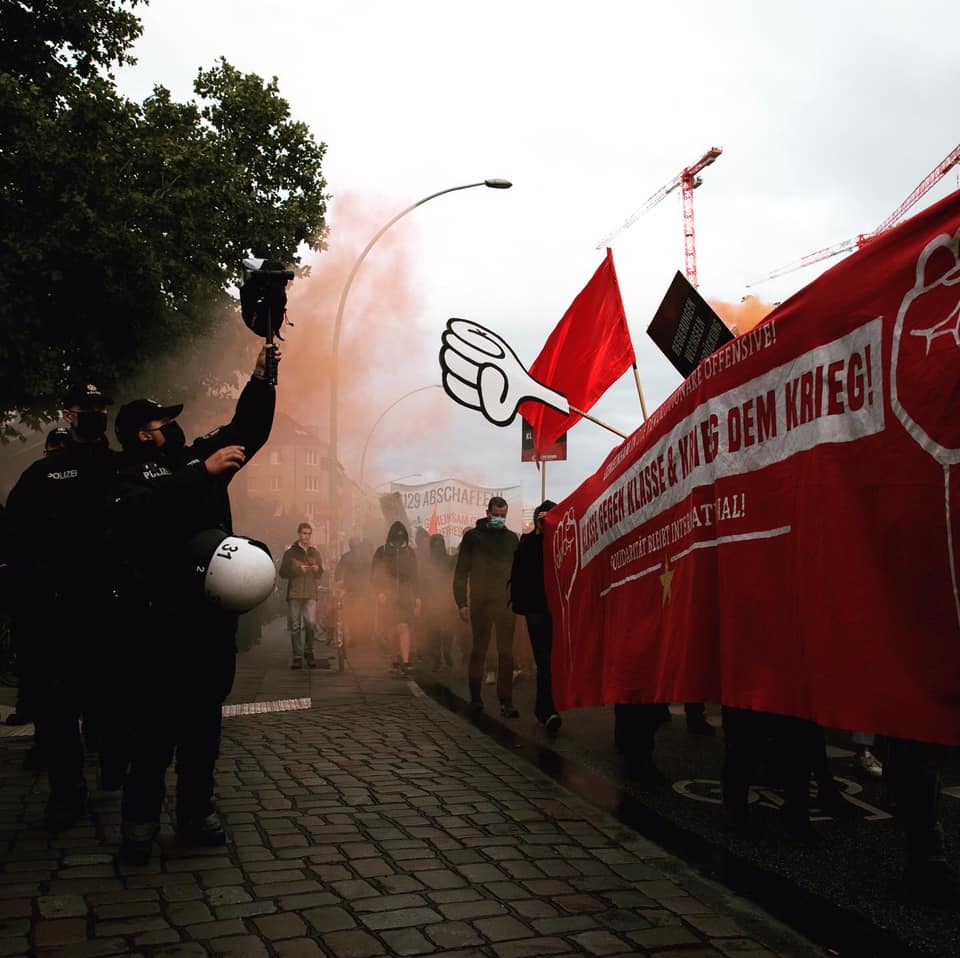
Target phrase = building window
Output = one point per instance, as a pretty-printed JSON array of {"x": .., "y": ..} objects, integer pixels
[
  {"x": 312, "y": 457},
  {"x": 274, "y": 457},
  {"x": 278, "y": 510},
  {"x": 312, "y": 483},
  {"x": 311, "y": 510},
  {"x": 275, "y": 483}
]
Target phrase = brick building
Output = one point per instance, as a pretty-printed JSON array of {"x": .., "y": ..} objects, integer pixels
[{"x": 287, "y": 482}]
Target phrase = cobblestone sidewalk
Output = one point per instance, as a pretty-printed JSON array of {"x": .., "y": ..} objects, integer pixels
[{"x": 374, "y": 828}]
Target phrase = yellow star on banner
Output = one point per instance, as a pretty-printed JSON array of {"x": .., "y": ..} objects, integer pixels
[{"x": 666, "y": 580}]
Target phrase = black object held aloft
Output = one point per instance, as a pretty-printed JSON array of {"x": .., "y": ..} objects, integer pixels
[{"x": 263, "y": 303}]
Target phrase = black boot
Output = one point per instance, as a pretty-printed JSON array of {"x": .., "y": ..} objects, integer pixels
[
  {"x": 66, "y": 808},
  {"x": 205, "y": 831},
  {"x": 136, "y": 842}
]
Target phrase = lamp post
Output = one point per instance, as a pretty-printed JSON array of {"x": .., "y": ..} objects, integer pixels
[
  {"x": 413, "y": 392},
  {"x": 494, "y": 184}
]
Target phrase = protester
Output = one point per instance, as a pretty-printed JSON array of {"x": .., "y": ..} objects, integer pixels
[
  {"x": 865, "y": 743},
  {"x": 528, "y": 596},
  {"x": 352, "y": 577},
  {"x": 394, "y": 577},
  {"x": 419, "y": 637},
  {"x": 438, "y": 619},
  {"x": 912, "y": 776},
  {"x": 61, "y": 499},
  {"x": 483, "y": 564},
  {"x": 634, "y": 732},
  {"x": 302, "y": 568},
  {"x": 183, "y": 646},
  {"x": 782, "y": 741},
  {"x": 696, "y": 715}
]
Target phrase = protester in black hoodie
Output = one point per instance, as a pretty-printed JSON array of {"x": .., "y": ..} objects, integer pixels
[
  {"x": 439, "y": 619},
  {"x": 528, "y": 596},
  {"x": 395, "y": 582},
  {"x": 484, "y": 561}
]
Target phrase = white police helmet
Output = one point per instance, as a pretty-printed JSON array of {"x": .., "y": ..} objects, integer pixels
[{"x": 235, "y": 573}]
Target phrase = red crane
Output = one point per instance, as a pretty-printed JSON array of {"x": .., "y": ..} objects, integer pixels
[
  {"x": 927, "y": 183},
  {"x": 688, "y": 180}
]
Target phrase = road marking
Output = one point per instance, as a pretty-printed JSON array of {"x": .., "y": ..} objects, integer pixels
[
  {"x": 259, "y": 708},
  {"x": 709, "y": 790}
]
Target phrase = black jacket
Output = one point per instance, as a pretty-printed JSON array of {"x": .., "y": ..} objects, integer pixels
[
  {"x": 160, "y": 501},
  {"x": 485, "y": 559},
  {"x": 301, "y": 585},
  {"x": 58, "y": 510},
  {"x": 528, "y": 595},
  {"x": 395, "y": 573}
]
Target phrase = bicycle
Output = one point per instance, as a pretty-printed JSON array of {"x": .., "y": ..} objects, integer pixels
[{"x": 339, "y": 636}]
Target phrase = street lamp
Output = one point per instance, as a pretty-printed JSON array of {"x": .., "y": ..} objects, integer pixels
[
  {"x": 413, "y": 392},
  {"x": 494, "y": 184}
]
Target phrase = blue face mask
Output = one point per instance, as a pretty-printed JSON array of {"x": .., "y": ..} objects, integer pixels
[{"x": 497, "y": 522}]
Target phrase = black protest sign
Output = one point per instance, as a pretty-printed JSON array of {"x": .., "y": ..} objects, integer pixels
[
  {"x": 555, "y": 453},
  {"x": 685, "y": 328}
]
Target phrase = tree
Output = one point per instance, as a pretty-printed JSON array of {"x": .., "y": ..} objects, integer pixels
[{"x": 126, "y": 223}]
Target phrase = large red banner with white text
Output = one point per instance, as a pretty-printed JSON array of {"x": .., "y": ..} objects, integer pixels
[{"x": 783, "y": 534}]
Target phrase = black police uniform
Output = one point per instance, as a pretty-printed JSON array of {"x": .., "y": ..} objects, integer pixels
[
  {"x": 184, "y": 649},
  {"x": 63, "y": 599}
]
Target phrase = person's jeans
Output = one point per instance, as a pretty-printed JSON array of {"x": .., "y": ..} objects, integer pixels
[
  {"x": 302, "y": 619},
  {"x": 484, "y": 618},
  {"x": 540, "y": 627}
]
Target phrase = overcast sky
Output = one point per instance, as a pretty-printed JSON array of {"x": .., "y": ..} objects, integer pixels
[{"x": 828, "y": 114}]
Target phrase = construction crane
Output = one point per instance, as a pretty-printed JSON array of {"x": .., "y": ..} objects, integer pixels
[
  {"x": 926, "y": 184},
  {"x": 688, "y": 180}
]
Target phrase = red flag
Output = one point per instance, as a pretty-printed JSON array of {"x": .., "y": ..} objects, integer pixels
[{"x": 585, "y": 355}]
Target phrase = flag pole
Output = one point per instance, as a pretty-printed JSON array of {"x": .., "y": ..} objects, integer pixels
[
  {"x": 543, "y": 481},
  {"x": 597, "y": 422},
  {"x": 643, "y": 404}
]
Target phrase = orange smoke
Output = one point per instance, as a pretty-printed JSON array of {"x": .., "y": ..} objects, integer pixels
[
  {"x": 384, "y": 349},
  {"x": 743, "y": 316}
]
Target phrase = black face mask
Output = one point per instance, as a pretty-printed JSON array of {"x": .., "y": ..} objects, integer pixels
[
  {"x": 173, "y": 438},
  {"x": 91, "y": 425}
]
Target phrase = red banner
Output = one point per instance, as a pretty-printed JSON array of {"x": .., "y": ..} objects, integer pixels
[{"x": 783, "y": 533}]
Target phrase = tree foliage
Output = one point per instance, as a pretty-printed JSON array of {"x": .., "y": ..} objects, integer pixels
[{"x": 126, "y": 223}]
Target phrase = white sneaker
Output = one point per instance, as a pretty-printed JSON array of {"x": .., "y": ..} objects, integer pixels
[
  {"x": 490, "y": 678},
  {"x": 870, "y": 763}
]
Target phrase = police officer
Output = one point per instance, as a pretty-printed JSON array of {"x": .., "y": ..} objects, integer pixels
[
  {"x": 28, "y": 663},
  {"x": 59, "y": 505},
  {"x": 184, "y": 649}
]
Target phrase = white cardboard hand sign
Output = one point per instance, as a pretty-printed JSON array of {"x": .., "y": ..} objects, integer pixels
[{"x": 482, "y": 372}]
